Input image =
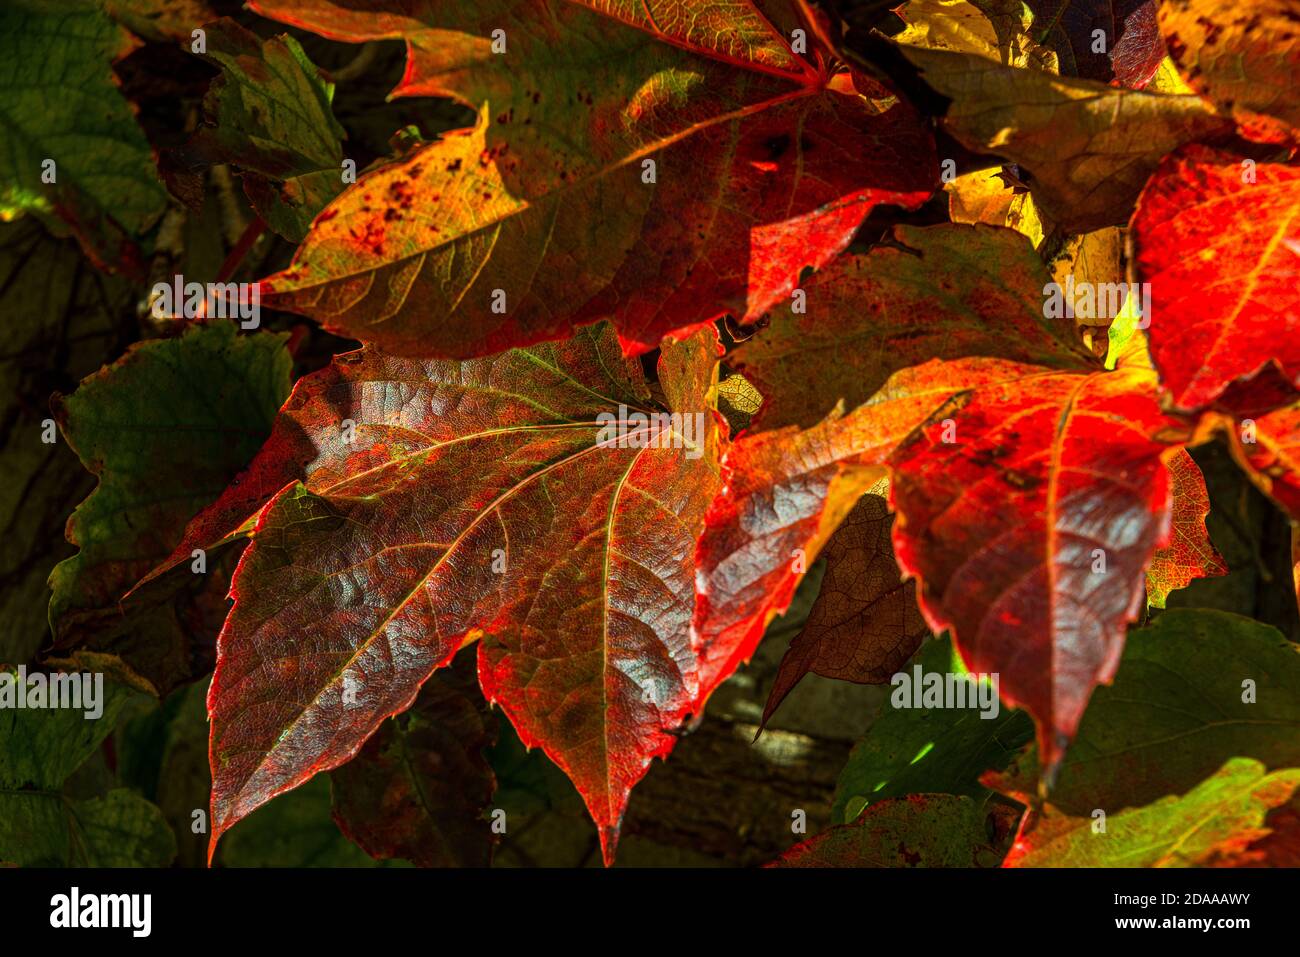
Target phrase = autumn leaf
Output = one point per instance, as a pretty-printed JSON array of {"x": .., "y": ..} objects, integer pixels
[
  {"x": 268, "y": 114},
  {"x": 922, "y": 830},
  {"x": 864, "y": 624},
  {"x": 525, "y": 499},
  {"x": 73, "y": 152},
  {"x": 989, "y": 28},
  {"x": 577, "y": 196},
  {"x": 165, "y": 428},
  {"x": 1029, "y": 515},
  {"x": 1218, "y": 239},
  {"x": 1089, "y": 147},
  {"x": 928, "y": 750},
  {"x": 1244, "y": 56},
  {"x": 420, "y": 786},
  {"x": 984, "y": 196},
  {"x": 1190, "y": 554},
  {"x": 928, "y": 294},
  {"x": 738, "y": 401},
  {"x": 1225, "y": 811},
  {"x": 1278, "y": 847}
]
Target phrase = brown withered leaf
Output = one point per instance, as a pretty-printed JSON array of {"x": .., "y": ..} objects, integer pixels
[{"x": 864, "y": 625}]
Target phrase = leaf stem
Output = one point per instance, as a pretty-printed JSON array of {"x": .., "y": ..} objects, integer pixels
[{"x": 252, "y": 232}]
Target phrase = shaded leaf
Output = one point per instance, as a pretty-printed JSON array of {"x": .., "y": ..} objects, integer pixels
[
  {"x": 268, "y": 114},
  {"x": 864, "y": 624},
  {"x": 1254, "y": 538},
  {"x": 1125, "y": 30},
  {"x": 545, "y": 216},
  {"x": 1089, "y": 147},
  {"x": 1219, "y": 242},
  {"x": 41, "y": 825},
  {"x": 419, "y": 787},
  {"x": 163, "y": 753},
  {"x": 294, "y": 830},
  {"x": 160, "y": 19},
  {"x": 1030, "y": 529},
  {"x": 485, "y": 498},
  {"x": 61, "y": 104},
  {"x": 63, "y": 320},
  {"x": 923, "y": 830},
  {"x": 165, "y": 428},
  {"x": 930, "y": 296}
]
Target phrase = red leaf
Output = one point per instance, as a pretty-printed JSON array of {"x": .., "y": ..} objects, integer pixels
[
  {"x": 864, "y": 625},
  {"x": 477, "y": 499},
  {"x": 920, "y": 830},
  {"x": 1222, "y": 256},
  {"x": 786, "y": 491},
  {"x": 1279, "y": 847},
  {"x": 1030, "y": 529}
]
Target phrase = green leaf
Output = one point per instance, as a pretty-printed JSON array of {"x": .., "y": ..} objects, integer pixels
[
  {"x": 40, "y": 748},
  {"x": 120, "y": 829},
  {"x": 1175, "y": 714},
  {"x": 294, "y": 830},
  {"x": 919, "y": 750},
  {"x": 164, "y": 754},
  {"x": 269, "y": 114},
  {"x": 41, "y": 825},
  {"x": 59, "y": 101},
  {"x": 166, "y": 428}
]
